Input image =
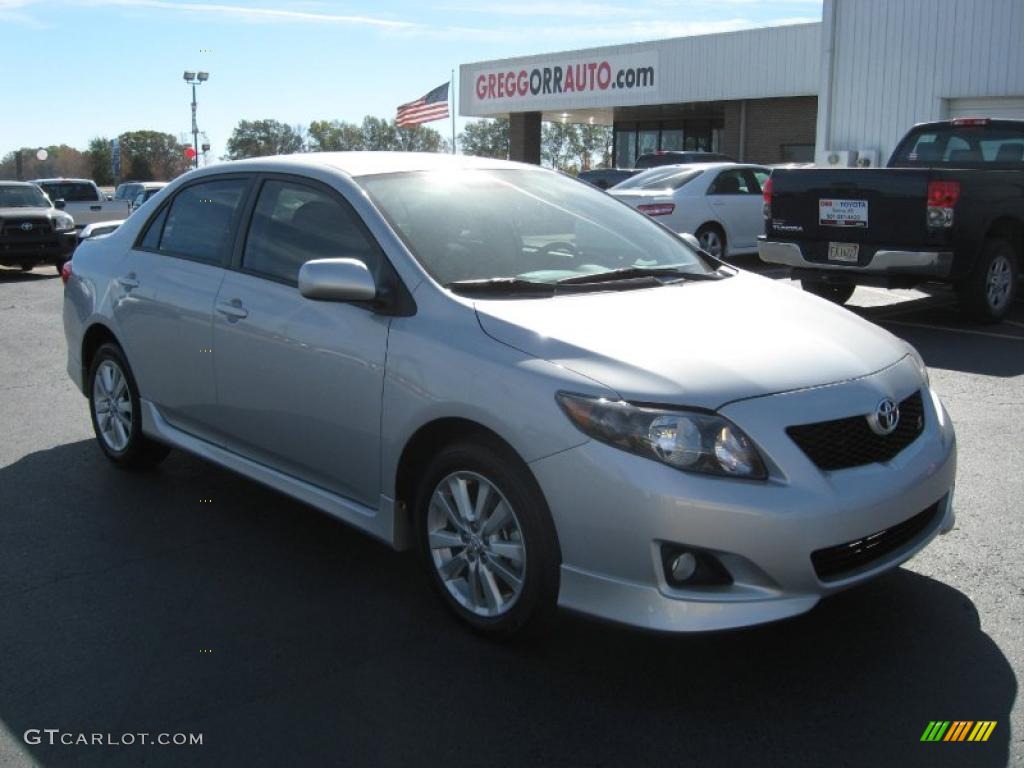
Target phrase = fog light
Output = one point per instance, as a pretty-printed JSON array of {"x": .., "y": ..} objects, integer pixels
[{"x": 684, "y": 566}]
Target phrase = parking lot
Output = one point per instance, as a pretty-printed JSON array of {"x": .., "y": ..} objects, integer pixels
[{"x": 190, "y": 600}]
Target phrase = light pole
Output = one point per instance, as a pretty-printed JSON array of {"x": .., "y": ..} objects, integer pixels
[{"x": 194, "y": 79}]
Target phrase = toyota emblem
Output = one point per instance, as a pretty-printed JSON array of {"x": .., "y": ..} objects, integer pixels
[
  {"x": 885, "y": 419},
  {"x": 26, "y": 226}
]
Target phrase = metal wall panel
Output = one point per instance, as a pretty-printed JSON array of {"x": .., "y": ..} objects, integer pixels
[
  {"x": 754, "y": 64},
  {"x": 898, "y": 62}
]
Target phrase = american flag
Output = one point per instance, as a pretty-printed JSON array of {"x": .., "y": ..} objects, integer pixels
[{"x": 433, "y": 106}]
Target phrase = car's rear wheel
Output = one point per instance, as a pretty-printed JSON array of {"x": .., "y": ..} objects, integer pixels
[
  {"x": 486, "y": 536},
  {"x": 26, "y": 267},
  {"x": 59, "y": 265},
  {"x": 712, "y": 239},
  {"x": 987, "y": 294},
  {"x": 839, "y": 293},
  {"x": 116, "y": 413}
]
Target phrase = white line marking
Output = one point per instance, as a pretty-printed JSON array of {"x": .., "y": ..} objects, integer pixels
[{"x": 955, "y": 330}]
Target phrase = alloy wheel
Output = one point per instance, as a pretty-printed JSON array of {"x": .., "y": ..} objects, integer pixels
[
  {"x": 112, "y": 405},
  {"x": 476, "y": 544},
  {"x": 998, "y": 285},
  {"x": 711, "y": 242}
]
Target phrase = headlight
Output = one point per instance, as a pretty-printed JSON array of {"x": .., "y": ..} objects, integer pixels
[
  {"x": 921, "y": 366},
  {"x": 693, "y": 442},
  {"x": 62, "y": 222}
]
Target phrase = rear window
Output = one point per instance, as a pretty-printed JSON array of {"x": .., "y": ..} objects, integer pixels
[
  {"x": 667, "y": 177},
  {"x": 70, "y": 192},
  {"x": 963, "y": 144}
]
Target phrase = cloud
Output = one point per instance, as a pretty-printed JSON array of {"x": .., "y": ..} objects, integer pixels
[
  {"x": 566, "y": 9},
  {"x": 252, "y": 13}
]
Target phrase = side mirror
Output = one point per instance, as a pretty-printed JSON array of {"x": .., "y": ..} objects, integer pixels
[
  {"x": 337, "y": 280},
  {"x": 59, "y": 204},
  {"x": 691, "y": 241}
]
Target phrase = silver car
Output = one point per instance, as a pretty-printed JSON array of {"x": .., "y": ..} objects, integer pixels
[{"x": 551, "y": 397}]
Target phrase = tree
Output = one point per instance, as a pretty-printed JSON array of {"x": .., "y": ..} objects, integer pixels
[
  {"x": 101, "y": 164},
  {"x": 335, "y": 136},
  {"x": 61, "y": 160},
  {"x": 420, "y": 138},
  {"x": 258, "y": 138},
  {"x": 560, "y": 146},
  {"x": 379, "y": 134},
  {"x": 595, "y": 141},
  {"x": 151, "y": 156},
  {"x": 486, "y": 138}
]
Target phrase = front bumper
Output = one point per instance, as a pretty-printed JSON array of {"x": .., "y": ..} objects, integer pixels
[
  {"x": 48, "y": 249},
  {"x": 613, "y": 512},
  {"x": 937, "y": 264}
]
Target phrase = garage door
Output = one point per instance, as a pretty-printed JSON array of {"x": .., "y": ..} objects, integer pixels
[{"x": 990, "y": 107}]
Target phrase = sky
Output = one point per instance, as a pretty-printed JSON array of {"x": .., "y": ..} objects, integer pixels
[{"x": 76, "y": 69}]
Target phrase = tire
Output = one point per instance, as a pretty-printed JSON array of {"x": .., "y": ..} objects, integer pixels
[
  {"x": 112, "y": 390},
  {"x": 60, "y": 265},
  {"x": 987, "y": 294},
  {"x": 838, "y": 293},
  {"x": 500, "y": 574},
  {"x": 712, "y": 239},
  {"x": 26, "y": 267}
]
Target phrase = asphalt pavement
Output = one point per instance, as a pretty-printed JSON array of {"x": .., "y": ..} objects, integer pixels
[{"x": 190, "y": 600}]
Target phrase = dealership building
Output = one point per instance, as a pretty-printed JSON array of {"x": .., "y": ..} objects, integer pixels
[{"x": 839, "y": 91}]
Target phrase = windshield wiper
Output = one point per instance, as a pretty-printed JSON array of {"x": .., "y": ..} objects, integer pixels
[
  {"x": 500, "y": 285},
  {"x": 631, "y": 273}
]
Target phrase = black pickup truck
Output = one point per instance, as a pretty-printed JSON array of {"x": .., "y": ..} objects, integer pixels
[
  {"x": 32, "y": 230},
  {"x": 949, "y": 208}
]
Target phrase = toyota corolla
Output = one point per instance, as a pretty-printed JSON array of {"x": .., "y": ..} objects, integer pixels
[{"x": 551, "y": 397}]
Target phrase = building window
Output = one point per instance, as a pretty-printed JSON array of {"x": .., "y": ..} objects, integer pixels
[
  {"x": 798, "y": 153},
  {"x": 625, "y": 147}
]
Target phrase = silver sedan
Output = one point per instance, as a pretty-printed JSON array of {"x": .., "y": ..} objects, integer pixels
[{"x": 550, "y": 397}]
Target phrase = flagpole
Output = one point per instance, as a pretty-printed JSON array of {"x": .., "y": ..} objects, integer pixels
[{"x": 451, "y": 92}]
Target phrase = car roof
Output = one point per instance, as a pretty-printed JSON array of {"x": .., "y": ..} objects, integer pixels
[
  {"x": 12, "y": 183},
  {"x": 60, "y": 180},
  {"x": 369, "y": 163}
]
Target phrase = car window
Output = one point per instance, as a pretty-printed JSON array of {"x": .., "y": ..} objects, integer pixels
[
  {"x": 731, "y": 182},
  {"x": 294, "y": 223},
  {"x": 151, "y": 239},
  {"x": 139, "y": 199},
  {"x": 760, "y": 177},
  {"x": 71, "y": 192},
  {"x": 200, "y": 221},
  {"x": 964, "y": 144}
]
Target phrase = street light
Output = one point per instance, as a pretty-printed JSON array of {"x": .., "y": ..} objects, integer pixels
[{"x": 194, "y": 79}]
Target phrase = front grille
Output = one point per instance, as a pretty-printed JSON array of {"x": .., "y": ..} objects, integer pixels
[
  {"x": 12, "y": 228},
  {"x": 838, "y": 562},
  {"x": 850, "y": 442}
]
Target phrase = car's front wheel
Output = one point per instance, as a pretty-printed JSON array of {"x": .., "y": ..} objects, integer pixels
[
  {"x": 487, "y": 539},
  {"x": 116, "y": 413}
]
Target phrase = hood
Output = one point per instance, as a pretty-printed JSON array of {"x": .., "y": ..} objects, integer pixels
[
  {"x": 14, "y": 213},
  {"x": 700, "y": 344}
]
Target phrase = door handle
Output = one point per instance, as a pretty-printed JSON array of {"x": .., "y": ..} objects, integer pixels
[
  {"x": 718, "y": 203},
  {"x": 233, "y": 309},
  {"x": 128, "y": 281},
  {"x": 95, "y": 207}
]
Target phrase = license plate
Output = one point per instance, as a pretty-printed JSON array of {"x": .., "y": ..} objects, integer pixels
[
  {"x": 846, "y": 253},
  {"x": 842, "y": 213}
]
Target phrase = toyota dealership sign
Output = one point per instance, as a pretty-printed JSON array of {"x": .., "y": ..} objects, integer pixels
[{"x": 565, "y": 83}]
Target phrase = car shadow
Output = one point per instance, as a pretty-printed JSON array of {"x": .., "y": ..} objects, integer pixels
[
  {"x": 17, "y": 276},
  {"x": 190, "y": 600}
]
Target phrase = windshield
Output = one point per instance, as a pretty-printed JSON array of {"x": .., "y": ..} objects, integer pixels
[
  {"x": 22, "y": 197},
  {"x": 470, "y": 224},
  {"x": 665, "y": 177}
]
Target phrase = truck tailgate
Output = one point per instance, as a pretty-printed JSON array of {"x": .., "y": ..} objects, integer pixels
[{"x": 880, "y": 207}]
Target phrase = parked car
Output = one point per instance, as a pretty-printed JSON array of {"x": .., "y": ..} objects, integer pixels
[
  {"x": 127, "y": 190},
  {"x": 603, "y": 178},
  {"x": 948, "y": 208},
  {"x": 82, "y": 200},
  {"x": 482, "y": 360},
  {"x": 720, "y": 203},
  {"x": 673, "y": 157},
  {"x": 32, "y": 231},
  {"x": 97, "y": 229},
  {"x": 146, "y": 191}
]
